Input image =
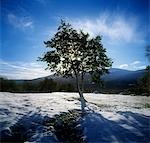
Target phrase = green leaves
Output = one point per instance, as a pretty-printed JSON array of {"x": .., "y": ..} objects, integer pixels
[{"x": 75, "y": 52}]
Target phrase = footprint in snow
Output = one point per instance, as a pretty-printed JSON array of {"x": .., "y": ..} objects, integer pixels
[
  {"x": 4, "y": 111},
  {"x": 26, "y": 99}
]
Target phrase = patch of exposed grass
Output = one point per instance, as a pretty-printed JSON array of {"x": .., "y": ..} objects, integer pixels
[
  {"x": 66, "y": 127},
  {"x": 137, "y": 107},
  {"x": 101, "y": 105},
  {"x": 146, "y": 105},
  {"x": 70, "y": 99},
  {"x": 76, "y": 98}
]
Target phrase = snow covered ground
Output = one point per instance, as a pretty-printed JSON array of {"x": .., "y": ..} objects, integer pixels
[{"x": 110, "y": 118}]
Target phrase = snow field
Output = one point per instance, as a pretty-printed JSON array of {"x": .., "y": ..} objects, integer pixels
[{"x": 111, "y": 118}]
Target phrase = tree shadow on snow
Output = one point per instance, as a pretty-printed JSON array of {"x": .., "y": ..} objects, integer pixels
[
  {"x": 129, "y": 127},
  {"x": 28, "y": 128}
]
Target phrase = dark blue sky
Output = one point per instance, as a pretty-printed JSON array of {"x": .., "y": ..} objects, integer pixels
[{"x": 25, "y": 24}]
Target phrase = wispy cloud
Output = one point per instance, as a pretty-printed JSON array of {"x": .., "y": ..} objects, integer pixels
[
  {"x": 43, "y": 2},
  {"x": 140, "y": 67},
  {"x": 21, "y": 22},
  {"x": 135, "y": 65},
  {"x": 113, "y": 27},
  {"x": 21, "y": 70},
  {"x": 124, "y": 66}
]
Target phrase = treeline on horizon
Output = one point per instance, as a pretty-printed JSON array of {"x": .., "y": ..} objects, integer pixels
[
  {"x": 46, "y": 85},
  {"x": 141, "y": 86}
]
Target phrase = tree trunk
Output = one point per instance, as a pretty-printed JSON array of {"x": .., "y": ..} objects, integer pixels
[{"x": 83, "y": 104}]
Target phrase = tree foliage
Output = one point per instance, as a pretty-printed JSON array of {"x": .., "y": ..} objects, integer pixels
[
  {"x": 74, "y": 53},
  {"x": 148, "y": 52},
  {"x": 142, "y": 86},
  {"x": 7, "y": 85},
  {"x": 45, "y": 85}
]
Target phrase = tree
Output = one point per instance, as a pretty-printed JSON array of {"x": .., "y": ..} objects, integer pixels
[
  {"x": 143, "y": 84},
  {"x": 74, "y": 53},
  {"x": 7, "y": 85},
  {"x": 47, "y": 85},
  {"x": 148, "y": 52}
]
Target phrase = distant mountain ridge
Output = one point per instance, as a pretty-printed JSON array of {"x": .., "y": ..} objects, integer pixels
[
  {"x": 126, "y": 75},
  {"x": 114, "y": 74},
  {"x": 116, "y": 77},
  {"x": 116, "y": 80}
]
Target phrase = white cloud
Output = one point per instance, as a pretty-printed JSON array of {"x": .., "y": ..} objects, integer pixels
[
  {"x": 113, "y": 27},
  {"x": 124, "y": 66},
  {"x": 20, "y": 22},
  {"x": 21, "y": 70},
  {"x": 40, "y": 1},
  {"x": 135, "y": 63},
  {"x": 140, "y": 67},
  {"x": 135, "y": 67},
  {"x": 43, "y": 2}
]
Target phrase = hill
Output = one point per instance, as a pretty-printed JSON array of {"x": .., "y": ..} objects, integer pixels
[{"x": 116, "y": 81}]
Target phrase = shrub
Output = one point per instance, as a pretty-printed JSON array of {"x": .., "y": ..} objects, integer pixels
[{"x": 66, "y": 127}]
